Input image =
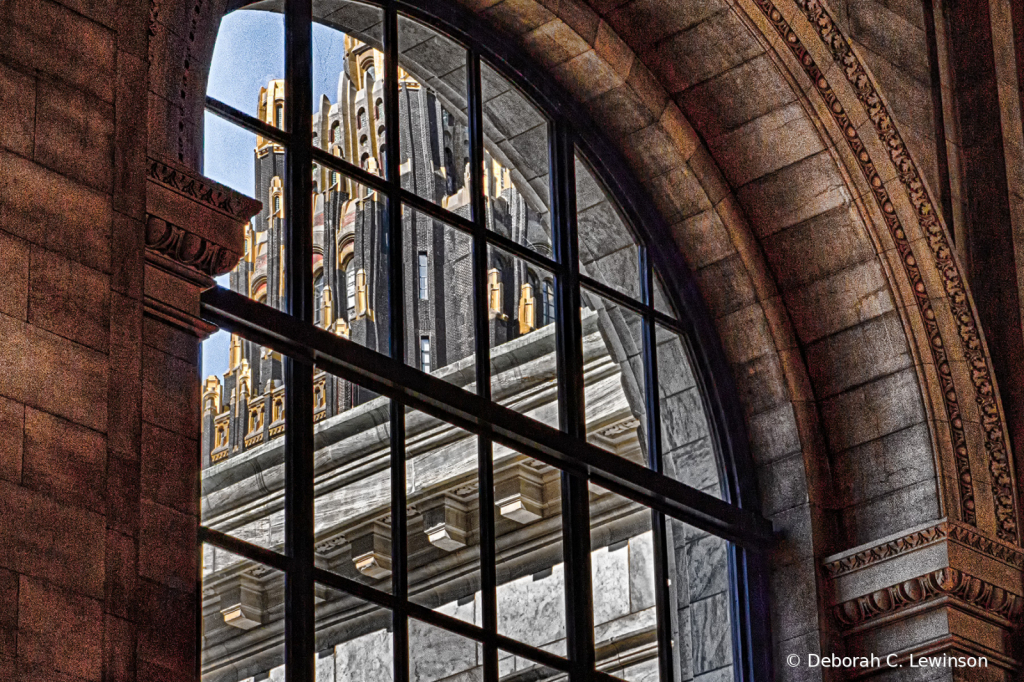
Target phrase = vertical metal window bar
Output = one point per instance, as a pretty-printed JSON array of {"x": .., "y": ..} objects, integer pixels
[
  {"x": 662, "y": 585},
  {"x": 485, "y": 461},
  {"x": 399, "y": 548},
  {"x": 298, "y": 448},
  {"x": 569, "y": 342}
]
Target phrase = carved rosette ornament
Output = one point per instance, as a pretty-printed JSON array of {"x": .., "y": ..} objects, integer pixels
[{"x": 194, "y": 232}]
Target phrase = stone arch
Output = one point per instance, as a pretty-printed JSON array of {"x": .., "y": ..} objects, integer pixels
[{"x": 789, "y": 191}]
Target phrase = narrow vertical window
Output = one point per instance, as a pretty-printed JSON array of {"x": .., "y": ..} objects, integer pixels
[
  {"x": 422, "y": 277},
  {"x": 279, "y": 115},
  {"x": 548, "y": 303},
  {"x": 425, "y": 353},
  {"x": 350, "y": 290}
]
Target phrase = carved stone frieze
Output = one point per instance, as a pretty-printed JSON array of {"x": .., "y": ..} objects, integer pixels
[
  {"x": 193, "y": 221},
  {"x": 955, "y": 289},
  {"x": 992, "y": 601},
  {"x": 946, "y": 530}
]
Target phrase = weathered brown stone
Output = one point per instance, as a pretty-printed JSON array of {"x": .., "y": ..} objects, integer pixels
[
  {"x": 165, "y": 456},
  {"x": 119, "y": 643},
  {"x": 75, "y": 135},
  {"x": 125, "y": 392},
  {"x": 131, "y": 129},
  {"x": 166, "y": 631},
  {"x": 64, "y": 461},
  {"x": 122, "y": 494},
  {"x": 167, "y": 541},
  {"x": 49, "y": 37},
  {"x": 8, "y": 614},
  {"x": 77, "y": 226},
  {"x": 53, "y": 374},
  {"x": 18, "y": 100},
  {"x": 14, "y": 270},
  {"x": 122, "y": 575},
  {"x": 170, "y": 392},
  {"x": 12, "y": 425},
  {"x": 69, "y": 299},
  {"x": 59, "y": 544},
  {"x": 60, "y": 630}
]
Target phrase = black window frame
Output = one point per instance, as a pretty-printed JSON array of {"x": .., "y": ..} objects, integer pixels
[{"x": 290, "y": 331}]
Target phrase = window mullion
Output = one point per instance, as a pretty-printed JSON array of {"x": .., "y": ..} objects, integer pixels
[
  {"x": 396, "y": 333},
  {"x": 300, "y": 625},
  {"x": 569, "y": 332},
  {"x": 481, "y": 309}
]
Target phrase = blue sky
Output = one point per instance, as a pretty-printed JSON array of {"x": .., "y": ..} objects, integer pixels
[{"x": 249, "y": 53}]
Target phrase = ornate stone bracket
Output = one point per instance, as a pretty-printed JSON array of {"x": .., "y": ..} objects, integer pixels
[{"x": 193, "y": 233}]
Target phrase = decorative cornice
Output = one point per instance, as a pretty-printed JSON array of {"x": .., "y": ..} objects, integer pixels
[
  {"x": 945, "y": 263},
  {"x": 946, "y": 583},
  {"x": 203, "y": 190},
  {"x": 944, "y": 531},
  {"x": 188, "y": 249}
]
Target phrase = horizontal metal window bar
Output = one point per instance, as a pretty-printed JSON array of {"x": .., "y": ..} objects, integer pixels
[
  {"x": 242, "y": 548},
  {"x": 445, "y": 401},
  {"x": 621, "y": 299},
  {"x": 250, "y": 123},
  {"x": 384, "y": 600}
]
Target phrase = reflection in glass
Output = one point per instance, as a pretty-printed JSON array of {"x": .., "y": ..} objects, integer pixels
[
  {"x": 515, "y": 164},
  {"x": 622, "y": 574},
  {"x": 512, "y": 667},
  {"x": 528, "y": 542},
  {"x": 243, "y": 607},
  {"x": 353, "y": 639},
  {"x": 436, "y": 654},
  {"x": 524, "y": 375},
  {"x": 241, "y": 444},
  {"x": 352, "y": 504},
  {"x": 443, "y": 525},
  {"x": 613, "y": 377},
  {"x": 432, "y": 104},
  {"x": 608, "y": 251},
  {"x": 439, "y": 313}
]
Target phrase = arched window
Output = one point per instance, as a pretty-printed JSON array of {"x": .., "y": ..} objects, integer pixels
[
  {"x": 335, "y": 135},
  {"x": 318, "y": 298},
  {"x": 561, "y": 501}
]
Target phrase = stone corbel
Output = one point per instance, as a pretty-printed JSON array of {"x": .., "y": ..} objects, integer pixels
[
  {"x": 371, "y": 550},
  {"x": 447, "y": 525},
  {"x": 940, "y": 588},
  {"x": 519, "y": 494},
  {"x": 194, "y": 232}
]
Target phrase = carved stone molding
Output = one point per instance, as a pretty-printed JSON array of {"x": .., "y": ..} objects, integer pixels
[
  {"x": 955, "y": 290},
  {"x": 946, "y": 530},
  {"x": 194, "y": 232},
  {"x": 993, "y": 602}
]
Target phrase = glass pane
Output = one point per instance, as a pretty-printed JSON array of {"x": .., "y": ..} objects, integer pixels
[
  {"x": 515, "y": 667},
  {"x": 436, "y": 654},
  {"x": 439, "y": 299},
  {"x": 352, "y": 507},
  {"x": 688, "y": 451},
  {"x": 348, "y": 83},
  {"x": 608, "y": 251},
  {"x": 701, "y": 622},
  {"x": 351, "y": 291},
  {"x": 254, "y": 166},
  {"x": 241, "y": 440},
  {"x": 528, "y": 537},
  {"x": 243, "y": 618},
  {"x": 515, "y": 164},
  {"x": 622, "y": 570},
  {"x": 521, "y": 307},
  {"x": 661, "y": 303},
  {"x": 431, "y": 104},
  {"x": 613, "y": 375},
  {"x": 247, "y": 70},
  {"x": 353, "y": 639},
  {"x": 443, "y": 524}
]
